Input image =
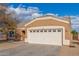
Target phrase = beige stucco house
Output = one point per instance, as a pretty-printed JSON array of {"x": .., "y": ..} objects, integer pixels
[{"x": 46, "y": 30}]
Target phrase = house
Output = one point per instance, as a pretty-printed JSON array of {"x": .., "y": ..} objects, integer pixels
[{"x": 46, "y": 30}]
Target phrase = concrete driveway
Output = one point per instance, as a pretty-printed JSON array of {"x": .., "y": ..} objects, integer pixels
[{"x": 25, "y": 49}]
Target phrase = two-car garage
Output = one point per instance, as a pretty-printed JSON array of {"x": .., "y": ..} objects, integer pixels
[
  {"x": 48, "y": 30},
  {"x": 45, "y": 35}
]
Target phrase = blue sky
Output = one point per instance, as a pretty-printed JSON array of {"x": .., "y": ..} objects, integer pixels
[
  {"x": 57, "y": 8},
  {"x": 26, "y": 11}
]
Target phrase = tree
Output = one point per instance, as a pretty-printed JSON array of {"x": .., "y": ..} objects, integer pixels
[
  {"x": 6, "y": 22},
  {"x": 75, "y": 34}
]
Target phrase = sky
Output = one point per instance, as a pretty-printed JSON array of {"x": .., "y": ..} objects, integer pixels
[
  {"x": 57, "y": 8},
  {"x": 32, "y": 10}
]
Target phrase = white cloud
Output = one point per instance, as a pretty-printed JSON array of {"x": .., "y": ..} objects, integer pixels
[
  {"x": 32, "y": 12},
  {"x": 24, "y": 13},
  {"x": 75, "y": 22},
  {"x": 51, "y": 14},
  {"x": 10, "y": 10},
  {"x": 34, "y": 15}
]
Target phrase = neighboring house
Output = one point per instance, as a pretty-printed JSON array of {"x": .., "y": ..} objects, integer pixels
[{"x": 46, "y": 30}]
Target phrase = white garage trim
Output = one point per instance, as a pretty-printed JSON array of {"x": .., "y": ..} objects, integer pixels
[
  {"x": 47, "y": 18},
  {"x": 64, "y": 42}
]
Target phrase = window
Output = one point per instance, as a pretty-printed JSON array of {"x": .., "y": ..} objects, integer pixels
[
  {"x": 59, "y": 30},
  {"x": 41, "y": 30},
  {"x": 54, "y": 30},
  {"x": 33, "y": 30},
  {"x": 11, "y": 33},
  {"x": 49, "y": 30},
  {"x": 30, "y": 30},
  {"x": 37, "y": 30},
  {"x": 45, "y": 30}
]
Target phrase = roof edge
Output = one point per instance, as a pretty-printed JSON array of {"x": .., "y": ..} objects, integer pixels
[{"x": 50, "y": 17}]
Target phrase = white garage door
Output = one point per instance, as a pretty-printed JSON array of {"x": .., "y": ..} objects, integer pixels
[{"x": 45, "y": 36}]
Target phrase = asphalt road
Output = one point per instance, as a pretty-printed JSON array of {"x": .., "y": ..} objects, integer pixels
[{"x": 25, "y": 49}]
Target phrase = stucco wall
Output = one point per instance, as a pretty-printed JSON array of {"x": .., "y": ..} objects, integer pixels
[
  {"x": 51, "y": 22},
  {"x": 19, "y": 34}
]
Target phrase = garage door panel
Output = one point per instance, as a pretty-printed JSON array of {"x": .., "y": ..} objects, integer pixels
[{"x": 52, "y": 38}]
